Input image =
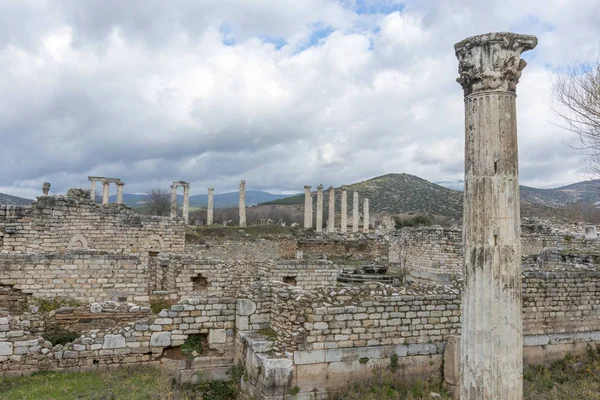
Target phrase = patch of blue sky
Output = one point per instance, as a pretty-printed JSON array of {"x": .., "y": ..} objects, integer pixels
[
  {"x": 363, "y": 7},
  {"x": 278, "y": 42},
  {"x": 228, "y": 38}
]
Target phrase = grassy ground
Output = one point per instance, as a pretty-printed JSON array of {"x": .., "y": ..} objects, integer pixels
[
  {"x": 576, "y": 378},
  {"x": 123, "y": 384}
]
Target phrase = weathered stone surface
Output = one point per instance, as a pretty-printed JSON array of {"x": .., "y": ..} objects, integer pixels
[
  {"x": 160, "y": 339},
  {"x": 217, "y": 336},
  {"x": 6, "y": 349},
  {"x": 113, "y": 342},
  {"x": 245, "y": 307}
]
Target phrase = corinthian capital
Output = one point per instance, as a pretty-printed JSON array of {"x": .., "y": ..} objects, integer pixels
[{"x": 492, "y": 62}]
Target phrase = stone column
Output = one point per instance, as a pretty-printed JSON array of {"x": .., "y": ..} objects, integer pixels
[
  {"x": 242, "y": 203},
  {"x": 93, "y": 194},
  {"x": 45, "y": 188},
  {"x": 186, "y": 203},
  {"x": 173, "y": 201},
  {"x": 319, "y": 227},
  {"x": 331, "y": 211},
  {"x": 105, "y": 186},
  {"x": 344, "y": 211},
  {"x": 366, "y": 215},
  {"x": 120, "y": 192},
  {"x": 492, "y": 331},
  {"x": 355, "y": 212},
  {"x": 210, "y": 206},
  {"x": 308, "y": 217}
]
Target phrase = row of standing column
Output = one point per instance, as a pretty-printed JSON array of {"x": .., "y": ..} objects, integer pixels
[
  {"x": 105, "y": 188},
  {"x": 308, "y": 211}
]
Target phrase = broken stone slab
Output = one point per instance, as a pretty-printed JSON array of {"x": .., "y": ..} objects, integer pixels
[
  {"x": 6, "y": 349},
  {"x": 245, "y": 307},
  {"x": 113, "y": 342},
  {"x": 160, "y": 339}
]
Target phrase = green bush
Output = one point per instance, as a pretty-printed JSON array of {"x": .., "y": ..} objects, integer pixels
[
  {"x": 158, "y": 305},
  {"x": 58, "y": 335},
  {"x": 417, "y": 220},
  {"x": 193, "y": 343},
  {"x": 50, "y": 304}
]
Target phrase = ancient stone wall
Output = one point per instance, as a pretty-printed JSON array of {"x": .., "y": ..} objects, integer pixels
[
  {"x": 84, "y": 275},
  {"x": 57, "y": 224},
  {"x": 141, "y": 342},
  {"x": 431, "y": 253}
]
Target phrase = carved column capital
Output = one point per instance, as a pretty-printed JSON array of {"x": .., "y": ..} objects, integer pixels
[{"x": 492, "y": 62}]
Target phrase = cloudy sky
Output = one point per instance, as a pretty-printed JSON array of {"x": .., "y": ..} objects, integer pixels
[{"x": 282, "y": 93}]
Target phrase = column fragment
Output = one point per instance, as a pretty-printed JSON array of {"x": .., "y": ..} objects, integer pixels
[
  {"x": 210, "y": 206},
  {"x": 242, "y": 203},
  {"x": 308, "y": 214},
  {"x": 344, "y": 211},
  {"x": 105, "y": 186},
  {"x": 355, "y": 212},
  {"x": 319, "y": 227},
  {"x": 186, "y": 203},
  {"x": 366, "y": 215},
  {"x": 492, "y": 331},
  {"x": 331, "y": 211},
  {"x": 120, "y": 192},
  {"x": 173, "y": 201},
  {"x": 45, "y": 188}
]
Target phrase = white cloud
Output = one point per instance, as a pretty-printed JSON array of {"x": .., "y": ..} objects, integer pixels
[{"x": 280, "y": 93}]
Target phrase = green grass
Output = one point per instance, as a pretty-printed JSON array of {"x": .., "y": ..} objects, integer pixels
[
  {"x": 50, "y": 304},
  {"x": 387, "y": 386},
  {"x": 194, "y": 343},
  {"x": 133, "y": 383}
]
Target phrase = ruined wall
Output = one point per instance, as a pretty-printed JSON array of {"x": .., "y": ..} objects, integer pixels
[
  {"x": 57, "y": 224},
  {"x": 84, "y": 275},
  {"x": 141, "y": 342},
  {"x": 343, "y": 248},
  {"x": 431, "y": 253}
]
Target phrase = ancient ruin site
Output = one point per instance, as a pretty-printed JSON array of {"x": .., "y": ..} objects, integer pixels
[{"x": 209, "y": 287}]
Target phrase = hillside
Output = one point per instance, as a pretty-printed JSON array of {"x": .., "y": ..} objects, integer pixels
[
  {"x": 222, "y": 200},
  {"x": 586, "y": 192},
  {"x": 399, "y": 193},
  {"x": 14, "y": 200},
  {"x": 404, "y": 193}
]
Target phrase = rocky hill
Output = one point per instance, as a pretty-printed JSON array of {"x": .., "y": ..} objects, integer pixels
[
  {"x": 404, "y": 193},
  {"x": 14, "y": 200},
  {"x": 580, "y": 192}
]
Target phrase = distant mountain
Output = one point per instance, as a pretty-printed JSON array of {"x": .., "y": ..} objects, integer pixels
[
  {"x": 404, "y": 193},
  {"x": 399, "y": 193},
  {"x": 223, "y": 200},
  {"x": 454, "y": 185},
  {"x": 587, "y": 192},
  {"x": 14, "y": 200}
]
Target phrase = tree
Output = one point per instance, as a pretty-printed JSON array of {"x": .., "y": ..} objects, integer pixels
[
  {"x": 158, "y": 202},
  {"x": 576, "y": 96}
]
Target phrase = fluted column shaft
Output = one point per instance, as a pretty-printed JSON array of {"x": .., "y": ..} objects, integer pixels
[
  {"x": 105, "y": 186},
  {"x": 308, "y": 217},
  {"x": 93, "y": 194},
  {"x": 210, "y": 206},
  {"x": 366, "y": 215},
  {"x": 173, "y": 201},
  {"x": 186, "y": 203},
  {"x": 319, "y": 227},
  {"x": 120, "y": 192},
  {"x": 331, "y": 211},
  {"x": 355, "y": 212},
  {"x": 344, "y": 212},
  {"x": 242, "y": 203},
  {"x": 492, "y": 329}
]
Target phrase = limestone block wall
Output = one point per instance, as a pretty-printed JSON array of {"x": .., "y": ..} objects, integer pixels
[
  {"x": 345, "y": 248},
  {"x": 432, "y": 253},
  {"x": 86, "y": 276},
  {"x": 559, "y": 302},
  {"x": 141, "y": 342},
  {"x": 259, "y": 250},
  {"x": 59, "y": 224},
  {"x": 308, "y": 275}
]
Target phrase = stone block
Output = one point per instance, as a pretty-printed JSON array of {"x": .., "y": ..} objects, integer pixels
[
  {"x": 452, "y": 360},
  {"x": 309, "y": 357},
  {"x": 113, "y": 342},
  {"x": 245, "y": 307},
  {"x": 160, "y": 339},
  {"x": 6, "y": 349},
  {"x": 217, "y": 336},
  {"x": 242, "y": 323}
]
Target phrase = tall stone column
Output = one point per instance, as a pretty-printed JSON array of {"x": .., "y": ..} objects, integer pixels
[
  {"x": 105, "y": 186},
  {"x": 186, "y": 203},
  {"x": 344, "y": 211},
  {"x": 331, "y": 211},
  {"x": 319, "y": 227},
  {"x": 93, "y": 193},
  {"x": 492, "y": 331},
  {"x": 120, "y": 192},
  {"x": 355, "y": 212},
  {"x": 210, "y": 206},
  {"x": 45, "y": 188},
  {"x": 307, "y": 208},
  {"x": 242, "y": 203},
  {"x": 366, "y": 215},
  {"x": 173, "y": 201}
]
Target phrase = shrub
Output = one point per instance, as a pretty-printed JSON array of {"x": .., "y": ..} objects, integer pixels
[
  {"x": 193, "y": 343},
  {"x": 58, "y": 335},
  {"x": 158, "y": 305},
  {"x": 50, "y": 304},
  {"x": 417, "y": 220}
]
